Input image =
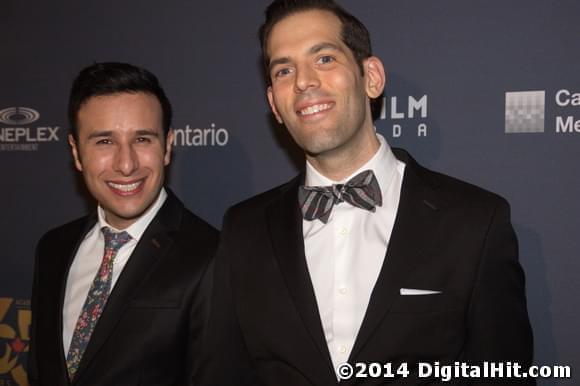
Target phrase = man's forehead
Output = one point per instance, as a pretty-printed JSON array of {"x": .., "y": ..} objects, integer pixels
[
  {"x": 120, "y": 112},
  {"x": 304, "y": 30}
]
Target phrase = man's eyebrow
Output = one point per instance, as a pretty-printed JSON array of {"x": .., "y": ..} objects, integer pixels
[
  {"x": 277, "y": 61},
  {"x": 324, "y": 46},
  {"x": 109, "y": 133},
  {"x": 313, "y": 50},
  {"x": 149, "y": 132},
  {"x": 100, "y": 133}
]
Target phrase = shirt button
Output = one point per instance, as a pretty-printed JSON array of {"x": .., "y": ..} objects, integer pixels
[
  {"x": 342, "y": 349},
  {"x": 343, "y": 231},
  {"x": 342, "y": 290}
]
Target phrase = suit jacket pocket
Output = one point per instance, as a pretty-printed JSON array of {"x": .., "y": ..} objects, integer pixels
[{"x": 425, "y": 303}]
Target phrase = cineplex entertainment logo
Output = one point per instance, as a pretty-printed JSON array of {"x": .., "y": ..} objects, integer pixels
[
  {"x": 15, "y": 317},
  {"x": 17, "y": 132},
  {"x": 18, "y": 115},
  {"x": 525, "y": 112}
]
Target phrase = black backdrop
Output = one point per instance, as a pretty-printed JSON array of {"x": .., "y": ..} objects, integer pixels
[{"x": 453, "y": 61}]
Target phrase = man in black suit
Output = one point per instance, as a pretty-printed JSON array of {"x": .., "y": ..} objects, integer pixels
[
  {"x": 120, "y": 296},
  {"x": 366, "y": 256}
]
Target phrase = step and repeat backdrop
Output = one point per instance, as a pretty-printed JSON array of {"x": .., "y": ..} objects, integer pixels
[{"x": 487, "y": 91}]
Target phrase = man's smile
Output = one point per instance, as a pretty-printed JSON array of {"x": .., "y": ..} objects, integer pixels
[
  {"x": 314, "y": 109},
  {"x": 126, "y": 188}
]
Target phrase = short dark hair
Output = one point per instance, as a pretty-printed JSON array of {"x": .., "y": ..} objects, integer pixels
[
  {"x": 110, "y": 78},
  {"x": 353, "y": 33}
]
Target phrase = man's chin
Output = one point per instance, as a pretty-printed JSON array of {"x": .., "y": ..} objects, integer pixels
[
  {"x": 125, "y": 216},
  {"x": 316, "y": 149}
]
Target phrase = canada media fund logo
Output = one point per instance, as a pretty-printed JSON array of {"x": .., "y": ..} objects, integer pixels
[
  {"x": 17, "y": 133},
  {"x": 525, "y": 112},
  {"x": 15, "y": 317}
]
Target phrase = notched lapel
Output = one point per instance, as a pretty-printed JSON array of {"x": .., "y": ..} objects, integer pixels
[
  {"x": 70, "y": 244},
  {"x": 152, "y": 247},
  {"x": 285, "y": 223},
  {"x": 414, "y": 232}
]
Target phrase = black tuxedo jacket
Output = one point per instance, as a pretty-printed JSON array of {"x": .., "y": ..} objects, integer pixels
[
  {"x": 449, "y": 236},
  {"x": 149, "y": 332}
]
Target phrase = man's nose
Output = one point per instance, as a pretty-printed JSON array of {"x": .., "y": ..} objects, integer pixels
[
  {"x": 306, "y": 78},
  {"x": 126, "y": 160}
]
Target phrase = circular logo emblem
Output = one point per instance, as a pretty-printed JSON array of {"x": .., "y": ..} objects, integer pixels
[{"x": 18, "y": 115}]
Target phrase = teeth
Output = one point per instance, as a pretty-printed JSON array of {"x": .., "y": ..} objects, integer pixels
[
  {"x": 315, "y": 109},
  {"x": 125, "y": 187}
]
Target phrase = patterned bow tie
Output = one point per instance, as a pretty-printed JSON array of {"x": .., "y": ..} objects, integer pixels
[{"x": 362, "y": 191}]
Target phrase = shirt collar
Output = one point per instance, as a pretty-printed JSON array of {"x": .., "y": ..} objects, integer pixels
[
  {"x": 136, "y": 229},
  {"x": 383, "y": 164}
]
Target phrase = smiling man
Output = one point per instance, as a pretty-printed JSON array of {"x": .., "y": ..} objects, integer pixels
[
  {"x": 366, "y": 257},
  {"x": 120, "y": 296}
]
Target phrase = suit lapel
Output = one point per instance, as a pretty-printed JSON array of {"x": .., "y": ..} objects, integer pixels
[
  {"x": 285, "y": 224},
  {"x": 414, "y": 230},
  {"x": 152, "y": 247},
  {"x": 70, "y": 246}
]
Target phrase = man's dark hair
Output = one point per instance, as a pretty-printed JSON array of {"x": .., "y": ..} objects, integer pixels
[
  {"x": 354, "y": 34},
  {"x": 111, "y": 78}
]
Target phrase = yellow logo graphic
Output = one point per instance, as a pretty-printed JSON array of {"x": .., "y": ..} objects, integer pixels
[{"x": 14, "y": 342}]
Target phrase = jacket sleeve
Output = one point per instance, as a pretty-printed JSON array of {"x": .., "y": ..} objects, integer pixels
[
  {"x": 226, "y": 360},
  {"x": 498, "y": 325},
  {"x": 33, "y": 376},
  {"x": 198, "y": 318}
]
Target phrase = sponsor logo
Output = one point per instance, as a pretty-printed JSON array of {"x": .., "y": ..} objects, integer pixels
[
  {"x": 525, "y": 112},
  {"x": 193, "y": 137},
  {"x": 18, "y": 115},
  {"x": 565, "y": 99},
  {"x": 15, "y": 317},
  {"x": 408, "y": 114},
  {"x": 18, "y": 135}
]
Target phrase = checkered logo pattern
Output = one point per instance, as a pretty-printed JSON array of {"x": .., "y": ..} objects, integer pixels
[{"x": 524, "y": 111}]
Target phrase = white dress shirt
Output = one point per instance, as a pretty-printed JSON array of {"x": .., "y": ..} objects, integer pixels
[
  {"x": 345, "y": 255},
  {"x": 88, "y": 259}
]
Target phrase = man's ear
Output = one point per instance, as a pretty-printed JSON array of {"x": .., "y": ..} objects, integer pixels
[
  {"x": 168, "y": 147},
  {"x": 375, "y": 77},
  {"x": 75, "y": 152},
  {"x": 273, "y": 106}
]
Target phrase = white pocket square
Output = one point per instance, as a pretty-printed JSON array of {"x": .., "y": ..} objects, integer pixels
[{"x": 415, "y": 291}]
